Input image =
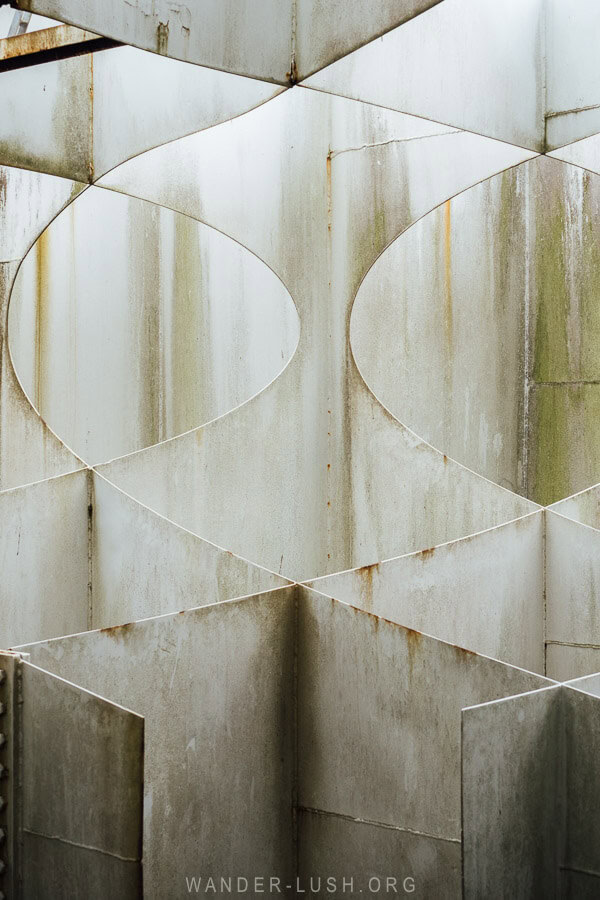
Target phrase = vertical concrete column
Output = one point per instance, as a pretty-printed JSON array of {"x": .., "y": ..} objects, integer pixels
[
  {"x": 511, "y": 802},
  {"x": 71, "y": 788},
  {"x": 531, "y": 794}
]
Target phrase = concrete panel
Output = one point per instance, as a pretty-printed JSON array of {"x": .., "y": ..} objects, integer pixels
[
  {"x": 95, "y": 111},
  {"x": 519, "y": 252},
  {"x": 44, "y": 559},
  {"x": 82, "y": 770},
  {"x": 579, "y": 885},
  {"x": 584, "y": 153},
  {"x": 56, "y": 135},
  {"x": 326, "y": 31},
  {"x": 583, "y": 507},
  {"x": 443, "y": 66},
  {"x": 379, "y": 717},
  {"x": 589, "y": 684},
  {"x": 511, "y": 798},
  {"x": 362, "y": 488},
  {"x": 133, "y": 108},
  {"x": 143, "y": 565},
  {"x": 572, "y": 581},
  {"x": 342, "y": 857},
  {"x": 485, "y": 592},
  {"x": 564, "y": 662},
  {"x": 581, "y": 854},
  {"x": 572, "y": 79},
  {"x": 569, "y": 459},
  {"x": 412, "y": 334},
  {"x": 28, "y": 449},
  {"x": 205, "y": 176},
  {"x": 222, "y": 35},
  {"x": 130, "y": 323},
  {"x": 28, "y": 201},
  {"x": 215, "y": 686}
]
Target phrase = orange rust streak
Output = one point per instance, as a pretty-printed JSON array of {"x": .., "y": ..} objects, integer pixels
[
  {"x": 425, "y": 554},
  {"x": 114, "y": 630},
  {"x": 44, "y": 39}
]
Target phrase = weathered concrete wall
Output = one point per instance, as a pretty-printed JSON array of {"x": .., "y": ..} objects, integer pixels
[
  {"x": 221, "y": 764},
  {"x": 215, "y": 686},
  {"x": 432, "y": 63},
  {"x": 485, "y": 592},
  {"x": 518, "y": 254},
  {"x": 92, "y": 112},
  {"x": 512, "y": 796},
  {"x": 581, "y": 855},
  {"x": 324, "y": 33},
  {"x": 72, "y": 789},
  {"x": 304, "y": 35},
  {"x": 583, "y": 507},
  {"x": 28, "y": 449},
  {"x": 572, "y": 80},
  {"x": 585, "y": 153},
  {"x": 44, "y": 559},
  {"x": 143, "y": 565},
  {"x": 530, "y": 794},
  {"x": 379, "y": 737},
  {"x": 55, "y": 136},
  {"x": 84, "y": 837},
  {"x": 221, "y": 34},
  {"x": 130, "y": 323},
  {"x": 133, "y": 108},
  {"x": 565, "y": 330},
  {"x": 327, "y": 450},
  {"x": 572, "y": 590},
  {"x": 412, "y": 327},
  {"x": 254, "y": 266}
]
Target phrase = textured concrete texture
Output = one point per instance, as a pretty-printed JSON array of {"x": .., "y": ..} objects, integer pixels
[
  {"x": 299, "y": 449},
  {"x": 301, "y": 706},
  {"x": 530, "y": 795},
  {"x": 73, "y": 769}
]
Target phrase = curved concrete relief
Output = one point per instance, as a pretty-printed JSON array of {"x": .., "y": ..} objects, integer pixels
[
  {"x": 153, "y": 305},
  {"x": 314, "y": 491},
  {"x": 130, "y": 323},
  {"x": 478, "y": 328}
]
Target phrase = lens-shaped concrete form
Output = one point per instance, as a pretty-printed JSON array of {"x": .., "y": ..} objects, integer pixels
[
  {"x": 130, "y": 324},
  {"x": 478, "y": 328}
]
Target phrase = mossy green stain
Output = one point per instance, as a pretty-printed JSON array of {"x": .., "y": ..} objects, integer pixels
[{"x": 551, "y": 301}]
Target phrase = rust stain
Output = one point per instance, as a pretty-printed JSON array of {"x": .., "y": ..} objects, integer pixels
[
  {"x": 413, "y": 643},
  {"x": 162, "y": 38},
  {"x": 365, "y": 575},
  {"x": 116, "y": 630},
  {"x": 445, "y": 460},
  {"x": 462, "y": 652},
  {"x": 44, "y": 39},
  {"x": 413, "y": 637},
  {"x": 292, "y": 75},
  {"x": 425, "y": 554}
]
